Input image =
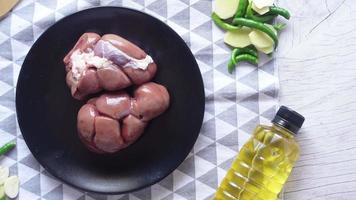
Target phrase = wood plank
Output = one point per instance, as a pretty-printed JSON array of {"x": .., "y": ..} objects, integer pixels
[{"x": 317, "y": 68}]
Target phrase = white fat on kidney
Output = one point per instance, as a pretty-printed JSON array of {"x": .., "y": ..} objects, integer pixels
[
  {"x": 107, "y": 50},
  {"x": 104, "y": 55},
  {"x": 82, "y": 60}
]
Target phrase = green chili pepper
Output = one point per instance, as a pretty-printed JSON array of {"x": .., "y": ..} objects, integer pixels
[
  {"x": 247, "y": 50},
  {"x": 250, "y": 50},
  {"x": 232, "y": 61},
  {"x": 274, "y": 10},
  {"x": 247, "y": 58},
  {"x": 230, "y": 66},
  {"x": 239, "y": 58},
  {"x": 279, "y": 26},
  {"x": 241, "y": 9},
  {"x": 219, "y": 22},
  {"x": 257, "y": 25},
  {"x": 262, "y": 18},
  {"x": 7, "y": 147}
]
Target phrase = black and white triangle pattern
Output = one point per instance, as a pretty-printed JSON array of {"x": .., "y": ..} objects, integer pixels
[{"x": 234, "y": 103}]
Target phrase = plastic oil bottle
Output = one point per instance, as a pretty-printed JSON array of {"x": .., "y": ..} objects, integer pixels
[{"x": 265, "y": 161}]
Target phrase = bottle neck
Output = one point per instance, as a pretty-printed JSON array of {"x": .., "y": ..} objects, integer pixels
[{"x": 283, "y": 131}]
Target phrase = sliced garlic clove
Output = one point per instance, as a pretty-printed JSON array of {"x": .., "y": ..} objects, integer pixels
[
  {"x": 4, "y": 173},
  {"x": 263, "y": 3},
  {"x": 11, "y": 186},
  {"x": 260, "y": 11},
  {"x": 260, "y": 39},
  {"x": 225, "y": 8},
  {"x": 266, "y": 50},
  {"x": 238, "y": 38}
]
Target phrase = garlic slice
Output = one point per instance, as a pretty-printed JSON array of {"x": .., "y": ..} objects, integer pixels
[
  {"x": 260, "y": 39},
  {"x": 11, "y": 186},
  {"x": 238, "y": 38},
  {"x": 225, "y": 8},
  {"x": 4, "y": 173},
  {"x": 263, "y": 3},
  {"x": 260, "y": 11}
]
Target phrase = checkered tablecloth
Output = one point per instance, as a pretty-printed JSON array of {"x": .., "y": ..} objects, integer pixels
[{"x": 235, "y": 104}]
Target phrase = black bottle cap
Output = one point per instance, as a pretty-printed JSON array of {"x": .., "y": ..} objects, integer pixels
[{"x": 288, "y": 119}]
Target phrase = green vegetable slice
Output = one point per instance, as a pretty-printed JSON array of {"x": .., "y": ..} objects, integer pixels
[
  {"x": 279, "y": 26},
  {"x": 11, "y": 186},
  {"x": 223, "y": 25},
  {"x": 262, "y": 3},
  {"x": 247, "y": 50},
  {"x": 259, "y": 18},
  {"x": 238, "y": 38},
  {"x": 241, "y": 9},
  {"x": 4, "y": 173},
  {"x": 240, "y": 58},
  {"x": 274, "y": 10},
  {"x": 7, "y": 147},
  {"x": 260, "y": 11},
  {"x": 266, "y": 50},
  {"x": 226, "y": 8},
  {"x": 257, "y": 25}
]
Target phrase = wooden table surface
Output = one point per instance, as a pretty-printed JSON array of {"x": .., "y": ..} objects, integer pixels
[{"x": 317, "y": 65}]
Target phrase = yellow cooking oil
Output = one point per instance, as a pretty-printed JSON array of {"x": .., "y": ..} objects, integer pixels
[{"x": 265, "y": 161}]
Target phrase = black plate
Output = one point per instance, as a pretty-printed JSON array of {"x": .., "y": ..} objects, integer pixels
[{"x": 47, "y": 112}]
